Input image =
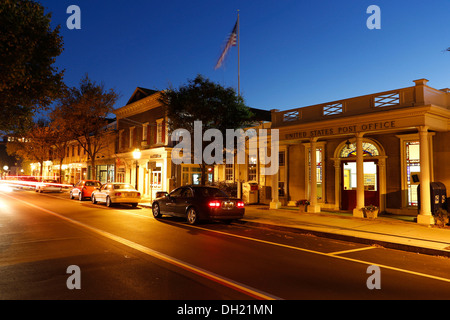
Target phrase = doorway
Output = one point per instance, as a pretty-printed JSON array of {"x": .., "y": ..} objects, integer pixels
[{"x": 371, "y": 184}]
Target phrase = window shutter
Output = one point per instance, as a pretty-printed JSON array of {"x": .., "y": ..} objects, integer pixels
[
  {"x": 149, "y": 134},
  {"x": 163, "y": 131}
]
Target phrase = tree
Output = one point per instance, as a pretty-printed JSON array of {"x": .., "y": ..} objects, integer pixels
[
  {"x": 215, "y": 106},
  {"x": 60, "y": 141},
  {"x": 28, "y": 49},
  {"x": 35, "y": 145},
  {"x": 83, "y": 112}
]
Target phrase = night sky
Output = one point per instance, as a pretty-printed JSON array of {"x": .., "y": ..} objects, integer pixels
[{"x": 293, "y": 53}]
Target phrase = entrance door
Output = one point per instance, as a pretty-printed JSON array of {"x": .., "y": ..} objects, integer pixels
[{"x": 371, "y": 184}]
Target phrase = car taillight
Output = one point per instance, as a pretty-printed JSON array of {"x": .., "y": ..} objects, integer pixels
[
  {"x": 240, "y": 204},
  {"x": 118, "y": 194},
  {"x": 214, "y": 204},
  {"x": 139, "y": 194}
]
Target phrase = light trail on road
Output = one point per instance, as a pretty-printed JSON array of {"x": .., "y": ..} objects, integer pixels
[{"x": 252, "y": 292}]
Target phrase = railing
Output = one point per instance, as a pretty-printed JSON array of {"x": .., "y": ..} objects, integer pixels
[{"x": 420, "y": 94}]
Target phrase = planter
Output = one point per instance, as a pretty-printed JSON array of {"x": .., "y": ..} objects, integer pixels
[
  {"x": 441, "y": 218},
  {"x": 302, "y": 205},
  {"x": 303, "y": 208},
  {"x": 371, "y": 214}
]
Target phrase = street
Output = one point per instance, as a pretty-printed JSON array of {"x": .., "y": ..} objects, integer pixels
[{"x": 124, "y": 253}]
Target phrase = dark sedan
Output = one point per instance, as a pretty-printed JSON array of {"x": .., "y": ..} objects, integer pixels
[{"x": 198, "y": 203}]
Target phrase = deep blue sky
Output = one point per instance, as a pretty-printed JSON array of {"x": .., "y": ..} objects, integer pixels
[{"x": 293, "y": 53}]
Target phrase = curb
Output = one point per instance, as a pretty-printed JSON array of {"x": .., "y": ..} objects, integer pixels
[{"x": 341, "y": 237}]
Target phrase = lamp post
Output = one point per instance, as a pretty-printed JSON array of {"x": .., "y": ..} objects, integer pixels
[
  {"x": 136, "y": 157},
  {"x": 5, "y": 168}
]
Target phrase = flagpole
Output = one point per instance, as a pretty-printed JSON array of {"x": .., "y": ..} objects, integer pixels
[{"x": 239, "y": 58}]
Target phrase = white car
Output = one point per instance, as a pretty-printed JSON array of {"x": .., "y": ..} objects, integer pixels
[
  {"x": 48, "y": 186},
  {"x": 116, "y": 192}
]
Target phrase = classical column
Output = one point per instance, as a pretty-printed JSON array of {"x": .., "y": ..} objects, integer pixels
[
  {"x": 382, "y": 183},
  {"x": 275, "y": 203},
  {"x": 357, "y": 212},
  {"x": 337, "y": 184},
  {"x": 313, "y": 206},
  {"x": 425, "y": 216},
  {"x": 238, "y": 179}
]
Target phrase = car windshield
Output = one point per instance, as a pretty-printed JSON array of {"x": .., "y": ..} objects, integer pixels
[
  {"x": 210, "y": 192},
  {"x": 123, "y": 186},
  {"x": 93, "y": 184}
]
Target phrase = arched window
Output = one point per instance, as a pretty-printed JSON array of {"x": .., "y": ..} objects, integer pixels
[{"x": 349, "y": 150}]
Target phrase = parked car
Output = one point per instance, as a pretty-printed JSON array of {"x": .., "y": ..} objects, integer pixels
[
  {"x": 48, "y": 185},
  {"x": 116, "y": 192},
  {"x": 197, "y": 203},
  {"x": 84, "y": 189}
]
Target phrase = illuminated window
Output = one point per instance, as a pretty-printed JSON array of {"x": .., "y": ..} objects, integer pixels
[
  {"x": 412, "y": 157},
  {"x": 370, "y": 150},
  {"x": 157, "y": 176},
  {"x": 229, "y": 172},
  {"x": 319, "y": 171},
  {"x": 191, "y": 175},
  {"x": 252, "y": 169}
]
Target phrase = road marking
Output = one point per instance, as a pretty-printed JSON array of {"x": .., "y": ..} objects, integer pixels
[
  {"x": 352, "y": 250},
  {"x": 252, "y": 292},
  {"x": 332, "y": 255}
]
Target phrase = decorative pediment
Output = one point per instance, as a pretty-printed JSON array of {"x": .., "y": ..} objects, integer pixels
[
  {"x": 141, "y": 100},
  {"x": 139, "y": 94}
]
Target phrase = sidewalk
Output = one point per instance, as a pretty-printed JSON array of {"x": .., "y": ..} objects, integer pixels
[
  {"x": 396, "y": 232},
  {"x": 389, "y": 231}
]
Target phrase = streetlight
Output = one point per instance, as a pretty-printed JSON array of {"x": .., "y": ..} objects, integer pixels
[
  {"x": 136, "y": 157},
  {"x": 6, "y": 170}
]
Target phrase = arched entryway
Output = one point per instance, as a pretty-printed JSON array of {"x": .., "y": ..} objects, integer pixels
[{"x": 374, "y": 174}]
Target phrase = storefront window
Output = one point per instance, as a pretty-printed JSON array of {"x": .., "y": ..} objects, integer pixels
[
  {"x": 157, "y": 177},
  {"x": 252, "y": 169},
  {"x": 229, "y": 172},
  {"x": 121, "y": 175},
  {"x": 105, "y": 173},
  {"x": 192, "y": 175}
]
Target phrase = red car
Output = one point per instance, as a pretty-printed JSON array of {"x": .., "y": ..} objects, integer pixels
[{"x": 84, "y": 189}]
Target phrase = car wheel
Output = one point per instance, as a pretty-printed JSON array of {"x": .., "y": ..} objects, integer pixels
[
  {"x": 192, "y": 217},
  {"x": 80, "y": 196},
  {"x": 70, "y": 195},
  {"x": 156, "y": 211},
  {"x": 93, "y": 199},
  {"x": 108, "y": 202},
  {"x": 134, "y": 205}
]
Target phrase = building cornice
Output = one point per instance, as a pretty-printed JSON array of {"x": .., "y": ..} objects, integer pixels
[{"x": 140, "y": 106}]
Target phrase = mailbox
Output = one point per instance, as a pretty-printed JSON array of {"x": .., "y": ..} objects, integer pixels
[
  {"x": 438, "y": 196},
  {"x": 250, "y": 192}
]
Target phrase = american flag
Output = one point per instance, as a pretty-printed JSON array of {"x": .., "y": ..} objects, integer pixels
[{"x": 230, "y": 43}]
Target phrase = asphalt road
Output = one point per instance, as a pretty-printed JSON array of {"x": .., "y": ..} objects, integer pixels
[{"x": 124, "y": 253}]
